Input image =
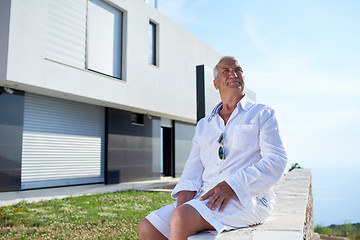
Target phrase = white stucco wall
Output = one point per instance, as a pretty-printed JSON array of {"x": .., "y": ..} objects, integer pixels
[
  {"x": 167, "y": 90},
  {"x": 4, "y": 36}
]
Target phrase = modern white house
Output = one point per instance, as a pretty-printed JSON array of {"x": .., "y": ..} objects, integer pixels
[{"x": 97, "y": 91}]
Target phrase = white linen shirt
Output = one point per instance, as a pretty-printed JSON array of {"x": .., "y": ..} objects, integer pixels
[{"x": 254, "y": 151}]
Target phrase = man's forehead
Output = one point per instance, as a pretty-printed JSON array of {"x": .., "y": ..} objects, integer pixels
[{"x": 226, "y": 63}]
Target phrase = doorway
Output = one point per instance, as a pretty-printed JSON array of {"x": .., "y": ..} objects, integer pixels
[{"x": 168, "y": 156}]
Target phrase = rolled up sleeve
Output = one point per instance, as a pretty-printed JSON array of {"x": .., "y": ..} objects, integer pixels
[{"x": 191, "y": 178}]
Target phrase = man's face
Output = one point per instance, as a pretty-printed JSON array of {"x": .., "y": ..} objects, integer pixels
[{"x": 229, "y": 76}]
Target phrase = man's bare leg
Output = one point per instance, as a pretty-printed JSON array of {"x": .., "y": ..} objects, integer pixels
[
  {"x": 148, "y": 232},
  {"x": 186, "y": 221}
]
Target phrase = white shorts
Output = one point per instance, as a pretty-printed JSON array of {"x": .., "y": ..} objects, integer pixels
[{"x": 234, "y": 216}]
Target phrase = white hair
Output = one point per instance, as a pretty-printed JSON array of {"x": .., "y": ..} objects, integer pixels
[{"x": 215, "y": 71}]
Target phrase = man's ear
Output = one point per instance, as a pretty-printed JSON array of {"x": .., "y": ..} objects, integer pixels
[{"x": 215, "y": 85}]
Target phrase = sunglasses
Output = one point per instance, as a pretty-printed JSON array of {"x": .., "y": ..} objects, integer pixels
[{"x": 221, "y": 151}]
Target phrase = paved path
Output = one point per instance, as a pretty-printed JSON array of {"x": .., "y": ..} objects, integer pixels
[{"x": 10, "y": 198}]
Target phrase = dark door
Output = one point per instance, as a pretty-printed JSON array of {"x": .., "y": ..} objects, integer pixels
[{"x": 168, "y": 152}]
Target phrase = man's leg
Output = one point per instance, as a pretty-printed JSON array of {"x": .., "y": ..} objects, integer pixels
[
  {"x": 148, "y": 232},
  {"x": 186, "y": 221}
]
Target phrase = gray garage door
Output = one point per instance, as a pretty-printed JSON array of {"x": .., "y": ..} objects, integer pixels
[{"x": 63, "y": 142}]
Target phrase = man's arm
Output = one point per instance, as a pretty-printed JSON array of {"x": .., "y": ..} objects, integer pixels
[
  {"x": 185, "y": 196},
  {"x": 191, "y": 177}
]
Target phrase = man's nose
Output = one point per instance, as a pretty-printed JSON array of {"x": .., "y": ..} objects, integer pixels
[{"x": 233, "y": 74}]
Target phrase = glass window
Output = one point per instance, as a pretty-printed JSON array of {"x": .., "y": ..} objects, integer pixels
[
  {"x": 137, "y": 119},
  {"x": 152, "y": 43},
  {"x": 104, "y": 39}
]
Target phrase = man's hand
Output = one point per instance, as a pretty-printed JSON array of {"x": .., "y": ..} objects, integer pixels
[
  {"x": 185, "y": 196},
  {"x": 220, "y": 195}
]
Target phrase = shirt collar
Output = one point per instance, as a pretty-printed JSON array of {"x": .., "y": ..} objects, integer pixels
[{"x": 244, "y": 103}]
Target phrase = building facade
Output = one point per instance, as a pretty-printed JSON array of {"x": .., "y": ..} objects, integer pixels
[{"x": 96, "y": 91}]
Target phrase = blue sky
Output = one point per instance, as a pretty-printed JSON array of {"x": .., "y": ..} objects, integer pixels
[{"x": 302, "y": 58}]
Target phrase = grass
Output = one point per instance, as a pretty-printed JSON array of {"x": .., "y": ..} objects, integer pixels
[
  {"x": 99, "y": 216},
  {"x": 351, "y": 231}
]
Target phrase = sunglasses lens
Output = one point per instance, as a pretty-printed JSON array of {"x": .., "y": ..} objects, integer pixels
[{"x": 221, "y": 153}]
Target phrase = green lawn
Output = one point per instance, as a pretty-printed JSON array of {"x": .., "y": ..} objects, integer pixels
[{"x": 100, "y": 216}]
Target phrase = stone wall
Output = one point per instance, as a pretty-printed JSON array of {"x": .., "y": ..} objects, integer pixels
[{"x": 309, "y": 218}]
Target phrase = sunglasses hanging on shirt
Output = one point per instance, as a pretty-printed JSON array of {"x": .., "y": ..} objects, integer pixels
[{"x": 221, "y": 151}]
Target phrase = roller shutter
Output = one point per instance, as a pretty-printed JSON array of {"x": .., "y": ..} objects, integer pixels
[
  {"x": 66, "y": 32},
  {"x": 63, "y": 142}
]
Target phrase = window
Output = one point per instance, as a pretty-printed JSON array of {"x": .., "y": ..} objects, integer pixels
[
  {"x": 137, "y": 119},
  {"x": 152, "y": 43},
  {"x": 104, "y": 39}
]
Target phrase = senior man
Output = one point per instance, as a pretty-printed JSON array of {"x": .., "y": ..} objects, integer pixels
[{"x": 236, "y": 158}]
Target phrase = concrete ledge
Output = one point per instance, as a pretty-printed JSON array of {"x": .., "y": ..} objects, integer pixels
[{"x": 291, "y": 218}]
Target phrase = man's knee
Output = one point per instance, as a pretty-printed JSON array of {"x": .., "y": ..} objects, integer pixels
[
  {"x": 186, "y": 221},
  {"x": 147, "y": 231},
  {"x": 182, "y": 215},
  {"x": 143, "y": 227}
]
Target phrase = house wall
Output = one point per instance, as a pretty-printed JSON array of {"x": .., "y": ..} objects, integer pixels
[
  {"x": 133, "y": 151},
  {"x": 4, "y": 36},
  {"x": 144, "y": 88},
  {"x": 165, "y": 91},
  {"x": 11, "y": 129}
]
